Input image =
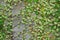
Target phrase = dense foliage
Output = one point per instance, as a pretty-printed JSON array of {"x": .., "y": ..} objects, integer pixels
[{"x": 45, "y": 14}]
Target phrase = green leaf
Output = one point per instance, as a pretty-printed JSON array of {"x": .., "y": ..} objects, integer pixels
[
  {"x": 1, "y": 22},
  {"x": 29, "y": 1},
  {"x": 35, "y": 0},
  {"x": 1, "y": 6},
  {"x": 36, "y": 12}
]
